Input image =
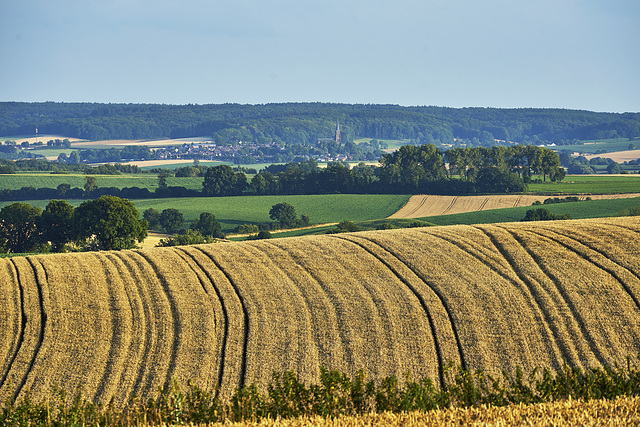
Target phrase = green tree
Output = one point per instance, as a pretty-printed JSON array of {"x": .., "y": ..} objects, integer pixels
[
  {"x": 284, "y": 214},
  {"x": 112, "y": 221},
  {"x": 56, "y": 224},
  {"x": 614, "y": 168},
  {"x": 190, "y": 237},
  {"x": 207, "y": 225},
  {"x": 171, "y": 220},
  {"x": 90, "y": 183},
  {"x": 152, "y": 216},
  {"x": 18, "y": 227},
  {"x": 223, "y": 181}
]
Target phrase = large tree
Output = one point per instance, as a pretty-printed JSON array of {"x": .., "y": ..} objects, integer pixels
[
  {"x": 284, "y": 213},
  {"x": 223, "y": 181},
  {"x": 18, "y": 227},
  {"x": 114, "y": 222},
  {"x": 171, "y": 220},
  {"x": 56, "y": 224},
  {"x": 207, "y": 225}
]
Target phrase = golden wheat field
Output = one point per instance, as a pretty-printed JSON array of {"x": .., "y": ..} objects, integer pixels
[
  {"x": 421, "y": 206},
  {"x": 122, "y": 324}
]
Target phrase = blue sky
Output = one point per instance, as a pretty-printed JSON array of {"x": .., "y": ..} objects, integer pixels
[{"x": 581, "y": 54}]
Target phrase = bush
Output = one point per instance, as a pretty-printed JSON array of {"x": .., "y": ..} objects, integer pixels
[
  {"x": 542, "y": 214},
  {"x": 190, "y": 237},
  {"x": 247, "y": 229}
]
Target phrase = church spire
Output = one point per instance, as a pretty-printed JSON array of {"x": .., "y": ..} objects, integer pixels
[{"x": 338, "y": 138}]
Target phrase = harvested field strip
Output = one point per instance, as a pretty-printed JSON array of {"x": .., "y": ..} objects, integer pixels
[
  {"x": 238, "y": 320},
  {"x": 332, "y": 342},
  {"x": 540, "y": 251},
  {"x": 453, "y": 202},
  {"x": 546, "y": 351},
  {"x": 429, "y": 289},
  {"x": 441, "y": 358},
  {"x": 14, "y": 322},
  {"x": 219, "y": 319}
]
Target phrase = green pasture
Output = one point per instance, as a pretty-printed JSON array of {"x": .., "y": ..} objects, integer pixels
[
  {"x": 49, "y": 180},
  {"x": 589, "y": 184}
]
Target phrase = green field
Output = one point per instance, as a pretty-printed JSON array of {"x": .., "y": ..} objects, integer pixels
[
  {"x": 233, "y": 211},
  {"x": 48, "y": 180},
  {"x": 589, "y": 184}
]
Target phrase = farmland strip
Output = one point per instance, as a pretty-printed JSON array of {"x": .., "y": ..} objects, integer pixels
[
  {"x": 600, "y": 260},
  {"x": 417, "y": 208},
  {"x": 173, "y": 338},
  {"x": 483, "y": 204},
  {"x": 535, "y": 295},
  {"x": 520, "y": 282},
  {"x": 334, "y": 348},
  {"x": 437, "y": 347},
  {"x": 441, "y": 298},
  {"x": 18, "y": 329},
  {"x": 568, "y": 302},
  {"x": 152, "y": 322},
  {"x": 42, "y": 324},
  {"x": 203, "y": 274},
  {"x": 246, "y": 323},
  {"x": 121, "y": 359},
  {"x": 517, "y": 203},
  {"x": 453, "y": 202}
]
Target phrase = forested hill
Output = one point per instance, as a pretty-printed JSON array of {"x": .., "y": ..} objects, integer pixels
[{"x": 308, "y": 122}]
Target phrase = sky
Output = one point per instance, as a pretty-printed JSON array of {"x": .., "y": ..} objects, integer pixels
[{"x": 577, "y": 54}]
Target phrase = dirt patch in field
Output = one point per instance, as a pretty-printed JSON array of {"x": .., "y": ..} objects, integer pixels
[
  {"x": 147, "y": 142},
  {"x": 617, "y": 156},
  {"x": 421, "y": 206}
]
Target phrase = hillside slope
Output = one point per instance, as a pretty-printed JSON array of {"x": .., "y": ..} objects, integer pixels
[{"x": 492, "y": 296}]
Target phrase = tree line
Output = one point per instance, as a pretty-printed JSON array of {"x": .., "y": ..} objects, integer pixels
[{"x": 306, "y": 123}]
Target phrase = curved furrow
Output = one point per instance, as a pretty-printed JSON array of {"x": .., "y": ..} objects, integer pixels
[
  {"x": 483, "y": 204},
  {"x": 183, "y": 292},
  {"x": 212, "y": 363},
  {"x": 549, "y": 307},
  {"x": 151, "y": 314},
  {"x": 331, "y": 339},
  {"x": 430, "y": 289},
  {"x": 540, "y": 254},
  {"x": 36, "y": 325},
  {"x": 14, "y": 321},
  {"x": 407, "y": 277},
  {"x": 365, "y": 341},
  {"x": 417, "y": 208},
  {"x": 625, "y": 277},
  {"x": 536, "y": 349},
  {"x": 124, "y": 336},
  {"x": 284, "y": 341},
  {"x": 451, "y": 205},
  {"x": 80, "y": 337},
  {"x": 517, "y": 203},
  {"x": 238, "y": 320}
]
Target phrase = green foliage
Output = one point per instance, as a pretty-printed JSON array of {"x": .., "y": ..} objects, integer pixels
[
  {"x": 171, "y": 220},
  {"x": 208, "y": 226},
  {"x": 247, "y": 229},
  {"x": 152, "y": 216},
  {"x": 223, "y": 181},
  {"x": 56, "y": 224},
  {"x": 632, "y": 211},
  {"x": 334, "y": 394},
  {"x": 18, "y": 227},
  {"x": 346, "y": 227},
  {"x": 189, "y": 237},
  {"x": 284, "y": 213},
  {"x": 542, "y": 214},
  {"x": 114, "y": 222}
]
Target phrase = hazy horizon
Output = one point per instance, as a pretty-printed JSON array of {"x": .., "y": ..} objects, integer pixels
[{"x": 573, "y": 54}]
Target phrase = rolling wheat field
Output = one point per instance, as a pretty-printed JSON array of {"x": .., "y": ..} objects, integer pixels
[{"x": 122, "y": 324}]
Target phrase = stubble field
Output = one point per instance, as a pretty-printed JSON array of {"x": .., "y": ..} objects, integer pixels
[{"x": 496, "y": 297}]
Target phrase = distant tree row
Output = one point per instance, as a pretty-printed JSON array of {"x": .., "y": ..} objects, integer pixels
[{"x": 306, "y": 123}]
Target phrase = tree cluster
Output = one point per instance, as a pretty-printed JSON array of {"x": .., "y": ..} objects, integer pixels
[
  {"x": 171, "y": 221},
  {"x": 105, "y": 223}
]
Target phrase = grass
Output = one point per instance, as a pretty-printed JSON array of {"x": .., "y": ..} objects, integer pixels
[
  {"x": 48, "y": 180},
  {"x": 577, "y": 184},
  {"x": 234, "y": 211}
]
